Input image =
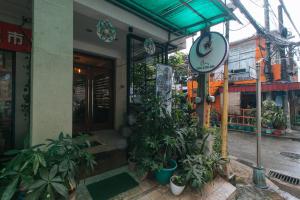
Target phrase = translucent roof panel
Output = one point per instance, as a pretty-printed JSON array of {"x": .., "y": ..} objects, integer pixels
[{"x": 179, "y": 16}]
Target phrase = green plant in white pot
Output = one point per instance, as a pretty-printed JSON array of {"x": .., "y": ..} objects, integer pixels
[{"x": 177, "y": 184}]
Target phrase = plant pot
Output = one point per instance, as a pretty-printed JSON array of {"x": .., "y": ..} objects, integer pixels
[
  {"x": 131, "y": 165},
  {"x": 176, "y": 189},
  {"x": 268, "y": 131},
  {"x": 240, "y": 127},
  {"x": 163, "y": 175},
  {"x": 248, "y": 128}
]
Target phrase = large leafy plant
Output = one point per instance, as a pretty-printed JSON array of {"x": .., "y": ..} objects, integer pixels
[
  {"x": 153, "y": 140},
  {"x": 46, "y": 171},
  {"x": 272, "y": 115}
]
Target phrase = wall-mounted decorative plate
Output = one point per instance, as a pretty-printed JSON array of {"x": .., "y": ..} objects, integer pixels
[{"x": 106, "y": 31}]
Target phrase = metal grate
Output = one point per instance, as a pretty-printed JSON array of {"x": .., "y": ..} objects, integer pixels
[{"x": 283, "y": 177}]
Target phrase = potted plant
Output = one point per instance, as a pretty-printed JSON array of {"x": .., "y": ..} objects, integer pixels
[
  {"x": 132, "y": 161},
  {"x": 153, "y": 140},
  {"x": 47, "y": 171},
  {"x": 177, "y": 184}
]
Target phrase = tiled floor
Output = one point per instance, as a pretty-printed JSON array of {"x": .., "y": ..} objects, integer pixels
[{"x": 150, "y": 190}]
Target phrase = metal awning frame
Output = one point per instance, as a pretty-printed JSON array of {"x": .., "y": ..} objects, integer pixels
[{"x": 180, "y": 31}]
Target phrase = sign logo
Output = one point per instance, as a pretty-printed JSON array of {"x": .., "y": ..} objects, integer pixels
[
  {"x": 208, "y": 52},
  {"x": 14, "y": 38}
]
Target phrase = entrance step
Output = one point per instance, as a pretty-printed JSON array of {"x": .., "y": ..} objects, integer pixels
[
  {"x": 105, "y": 141},
  {"x": 109, "y": 149}
]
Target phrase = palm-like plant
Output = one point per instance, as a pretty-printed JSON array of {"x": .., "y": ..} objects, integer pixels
[{"x": 46, "y": 171}]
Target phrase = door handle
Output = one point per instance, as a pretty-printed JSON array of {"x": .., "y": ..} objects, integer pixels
[{"x": 92, "y": 96}]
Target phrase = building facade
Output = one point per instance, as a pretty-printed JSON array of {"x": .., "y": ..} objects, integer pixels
[
  {"x": 243, "y": 57},
  {"x": 57, "y": 76}
]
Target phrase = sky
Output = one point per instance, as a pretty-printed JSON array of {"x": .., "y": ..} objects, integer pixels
[{"x": 255, "y": 7}]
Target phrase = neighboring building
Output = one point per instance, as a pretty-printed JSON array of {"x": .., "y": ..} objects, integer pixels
[
  {"x": 56, "y": 75},
  {"x": 243, "y": 56}
]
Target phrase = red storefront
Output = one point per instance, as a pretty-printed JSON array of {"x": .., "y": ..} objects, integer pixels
[{"x": 13, "y": 39}]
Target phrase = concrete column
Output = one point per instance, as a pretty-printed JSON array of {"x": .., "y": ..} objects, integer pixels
[{"x": 52, "y": 69}]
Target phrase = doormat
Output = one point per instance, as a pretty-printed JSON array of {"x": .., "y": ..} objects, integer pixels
[{"x": 112, "y": 186}]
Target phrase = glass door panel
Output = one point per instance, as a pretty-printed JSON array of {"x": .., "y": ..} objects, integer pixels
[
  {"x": 80, "y": 98},
  {"x": 93, "y": 93},
  {"x": 6, "y": 63},
  {"x": 102, "y": 98}
]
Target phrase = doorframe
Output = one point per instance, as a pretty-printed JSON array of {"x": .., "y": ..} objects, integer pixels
[{"x": 96, "y": 55}]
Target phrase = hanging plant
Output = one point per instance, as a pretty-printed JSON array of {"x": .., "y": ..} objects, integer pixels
[
  {"x": 149, "y": 46},
  {"x": 106, "y": 31}
]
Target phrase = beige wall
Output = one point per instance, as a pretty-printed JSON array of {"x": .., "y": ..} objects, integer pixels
[
  {"x": 52, "y": 69},
  {"x": 234, "y": 102}
]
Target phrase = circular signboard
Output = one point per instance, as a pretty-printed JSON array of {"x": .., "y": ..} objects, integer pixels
[{"x": 208, "y": 52}]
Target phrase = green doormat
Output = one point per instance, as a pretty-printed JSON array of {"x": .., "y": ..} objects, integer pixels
[{"x": 112, "y": 186}]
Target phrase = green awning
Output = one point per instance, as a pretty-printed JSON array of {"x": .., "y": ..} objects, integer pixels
[{"x": 182, "y": 17}]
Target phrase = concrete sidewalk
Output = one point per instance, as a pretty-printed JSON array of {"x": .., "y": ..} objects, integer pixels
[
  {"x": 293, "y": 134},
  {"x": 247, "y": 191}
]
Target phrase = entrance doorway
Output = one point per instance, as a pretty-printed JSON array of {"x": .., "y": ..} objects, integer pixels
[{"x": 93, "y": 93}]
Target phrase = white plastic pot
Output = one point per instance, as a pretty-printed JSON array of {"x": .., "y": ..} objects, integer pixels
[{"x": 176, "y": 190}]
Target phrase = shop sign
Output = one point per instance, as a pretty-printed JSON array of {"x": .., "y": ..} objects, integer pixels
[
  {"x": 208, "y": 52},
  {"x": 14, "y": 38},
  {"x": 164, "y": 85}
]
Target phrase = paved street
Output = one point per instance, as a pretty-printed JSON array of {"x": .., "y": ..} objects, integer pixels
[{"x": 243, "y": 146}]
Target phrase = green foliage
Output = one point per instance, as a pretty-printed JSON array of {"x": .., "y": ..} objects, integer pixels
[
  {"x": 199, "y": 169},
  {"x": 217, "y": 146},
  {"x": 46, "y": 171},
  {"x": 178, "y": 62},
  {"x": 158, "y": 137},
  {"x": 154, "y": 146},
  {"x": 178, "y": 180},
  {"x": 272, "y": 115}
]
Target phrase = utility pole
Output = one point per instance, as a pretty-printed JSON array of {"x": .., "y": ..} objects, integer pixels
[
  {"x": 268, "y": 66},
  {"x": 259, "y": 178},
  {"x": 224, "y": 120},
  {"x": 284, "y": 69}
]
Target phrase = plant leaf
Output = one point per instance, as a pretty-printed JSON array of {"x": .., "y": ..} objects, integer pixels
[
  {"x": 36, "y": 164},
  {"x": 44, "y": 174},
  {"x": 37, "y": 184},
  {"x": 36, "y": 194},
  {"x": 10, "y": 189},
  {"x": 53, "y": 172},
  {"x": 61, "y": 189}
]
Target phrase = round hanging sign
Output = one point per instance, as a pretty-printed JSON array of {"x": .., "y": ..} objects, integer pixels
[
  {"x": 149, "y": 46},
  {"x": 106, "y": 31},
  {"x": 208, "y": 52}
]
